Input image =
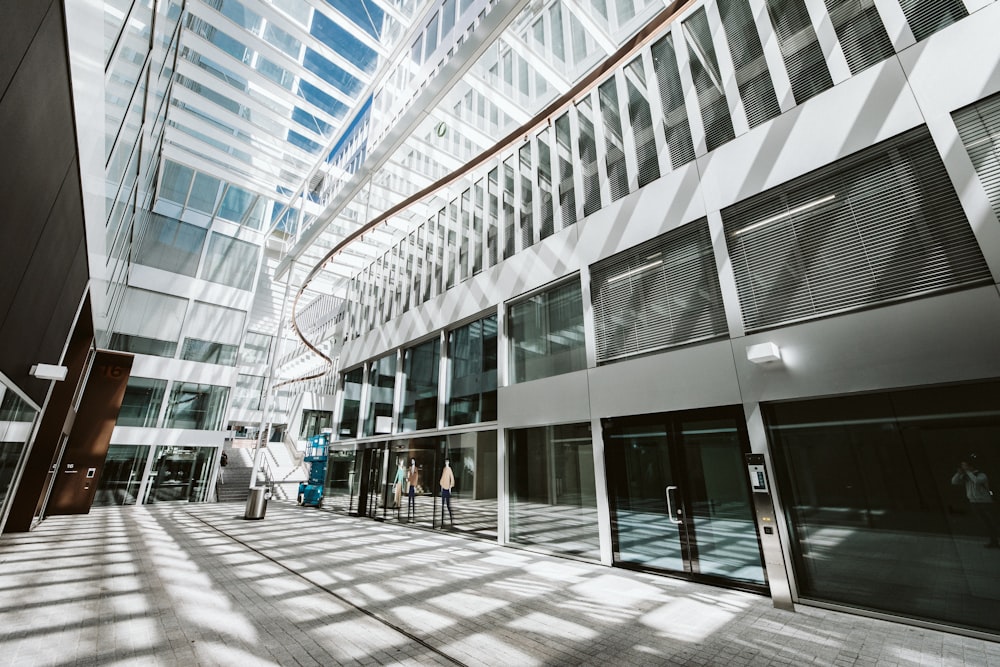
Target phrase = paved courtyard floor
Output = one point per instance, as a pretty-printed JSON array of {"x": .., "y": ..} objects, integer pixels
[{"x": 197, "y": 585}]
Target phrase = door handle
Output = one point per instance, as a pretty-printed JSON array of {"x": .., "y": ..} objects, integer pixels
[{"x": 670, "y": 507}]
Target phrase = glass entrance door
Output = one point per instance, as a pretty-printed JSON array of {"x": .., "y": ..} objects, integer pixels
[{"x": 680, "y": 499}]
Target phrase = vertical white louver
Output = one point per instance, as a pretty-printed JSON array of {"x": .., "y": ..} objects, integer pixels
[
  {"x": 675, "y": 120},
  {"x": 660, "y": 293},
  {"x": 752, "y": 76},
  {"x": 860, "y": 32},
  {"x": 880, "y": 225},
  {"x": 708, "y": 81},
  {"x": 979, "y": 127},
  {"x": 800, "y": 49}
]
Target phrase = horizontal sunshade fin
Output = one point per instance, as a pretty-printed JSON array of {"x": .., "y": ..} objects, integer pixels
[
  {"x": 661, "y": 293},
  {"x": 880, "y": 225}
]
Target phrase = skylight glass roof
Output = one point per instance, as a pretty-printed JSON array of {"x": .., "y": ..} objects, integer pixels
[{"x": 339, "y": 110}]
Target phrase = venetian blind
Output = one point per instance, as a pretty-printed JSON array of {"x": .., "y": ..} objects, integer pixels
[
  {"x": 882, "y": 224},
  {"x": 660, "y": 293}
]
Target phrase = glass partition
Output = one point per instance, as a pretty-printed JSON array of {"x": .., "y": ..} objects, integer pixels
[
  {"x": 180, "y": 474},
  {"x": 121, "y": 476},
  {"x": 888, "y": 500},
  {"x": 196, "y": 406},
  {"x": 553, "y": 496}
]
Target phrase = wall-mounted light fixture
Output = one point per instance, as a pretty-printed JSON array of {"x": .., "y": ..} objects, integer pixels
[
  {"x": 763, "y": 353},
  {"x": 49, "y": 372}
]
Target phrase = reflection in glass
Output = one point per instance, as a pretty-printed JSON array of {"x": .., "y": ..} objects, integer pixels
[
  {"x": 472, "y": 360},
  {"x": 420, "y": 394},
  {"x": 350, "y": 407},
  {"x": 875, "y": 518},
  {"x": 121, "y": 475},
  {"x": 679, "y": 495},
  {"x": 196, "y": 406},
  {"x": 381, "y": 387},
  {"x": 142, "y": 401},
  {"x": 180, "y": 474},
  {"x": 546, "y": 332},
  {"x": 553, "y": 500}
]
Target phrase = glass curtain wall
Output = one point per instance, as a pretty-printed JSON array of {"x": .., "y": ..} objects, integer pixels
[
  {"x": 888, "y": 500},
  {"x": 420, "y": 393},
  {"x": 196, "y": 406},
  {"x": 553, "y": 496},
  {"x": 472, "y": 373}
]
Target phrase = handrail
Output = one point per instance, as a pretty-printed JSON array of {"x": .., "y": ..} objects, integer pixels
[{"x": 646, "y": 34}]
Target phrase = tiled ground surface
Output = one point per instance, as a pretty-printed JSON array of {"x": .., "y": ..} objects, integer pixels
[{"x": 197, "y": 585}]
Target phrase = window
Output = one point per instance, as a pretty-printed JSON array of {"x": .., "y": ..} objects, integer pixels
[
  {"x": 882, "y": 224},
  {"x": 800, "y": 49},
  {"x": 546, "y": 332},
  {"x": 149, "y": 323},
  {"x": 14, "y": 409},
  {"x": 213, "y": 334},
  {"x": 979, "y": 127},
  {"x": 381, "y": 388},
  {"x": 231, "y": 262},
  {"x": 176, "y": 182},
  {"x": 248, "y": 392},
  {"x": 196, "y": 406},
  {"x": 752, "y": 76},
  {"x": 472, "y": 374},
  {"x": 171, "y": 245},
  {"x": 350, "y": 406},
  {"x": 659, "y": 293},
  {"x": 675, "y": 120},
  {"x": 708, "y": 81},
  {"x": 313, "y": 423},
  {"x": 235, "y": 204},
  {"x": 142, "y": 402},
  {"x": 420, "y": 393},
  {"x": 256, "y": 348}
]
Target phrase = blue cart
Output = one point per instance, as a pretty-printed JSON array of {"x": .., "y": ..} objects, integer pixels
[{"x": 311, "y": 491}]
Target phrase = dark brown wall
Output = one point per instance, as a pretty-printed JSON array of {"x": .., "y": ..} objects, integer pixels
[
  {"x": 43, "y": 262},
  {"x": 76, "y": 481}
]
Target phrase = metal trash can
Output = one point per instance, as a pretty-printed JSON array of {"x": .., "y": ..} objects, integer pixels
[{"x": 256, "y": 503}]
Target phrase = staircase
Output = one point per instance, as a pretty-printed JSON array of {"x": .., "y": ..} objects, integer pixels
[{"x": 235, "y": 484}]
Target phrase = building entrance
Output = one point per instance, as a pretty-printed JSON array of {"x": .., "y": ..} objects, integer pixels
[{"x": 680, "y": 501}]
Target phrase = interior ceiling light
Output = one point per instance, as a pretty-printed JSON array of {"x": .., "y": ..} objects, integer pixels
[{"x": 782, "y": 216}]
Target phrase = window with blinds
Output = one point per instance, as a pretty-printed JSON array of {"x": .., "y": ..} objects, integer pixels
[
  {"x": 979, "y": 127},
  {"x": 752, "y": 76},
  {"x": 800, "y": 49},
  {"x": 171, "y": 245},
  {"x": 546, "y": 222},
  {"x": 641, "y": 119},
  {"x": 708, "y": 81},
  {"x": 926, "y": 17},
  {"x": 567, "y": 189},
  {"x": 492, "y": 213},
  {"x": 880, "y": 225},
  {"x": 508, "y": 208},
  {"x": 527, "y": 197},
  {"x": 658, "y": 294},
  {"x": 614, "y": 145},
  {"x": 860, "y": 32},
  {"x": 587, "y": 153},
  {"x": 675, "y": 120}
]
